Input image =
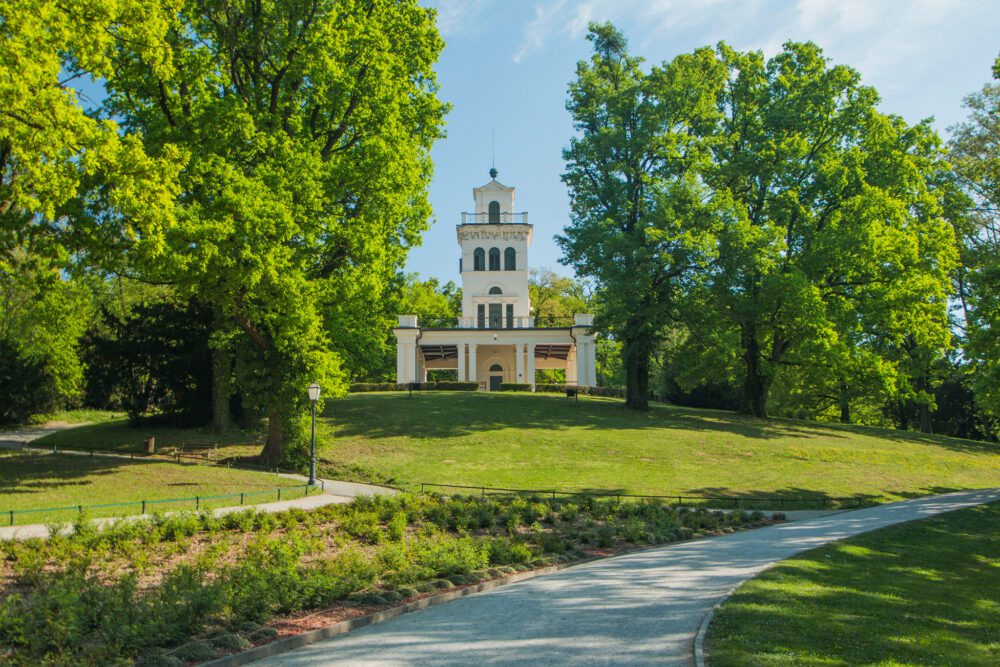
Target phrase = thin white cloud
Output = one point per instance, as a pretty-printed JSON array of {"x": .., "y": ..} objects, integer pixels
[
  {"x": 879, "y": 37},
  {"x": 459, "y": 16}
]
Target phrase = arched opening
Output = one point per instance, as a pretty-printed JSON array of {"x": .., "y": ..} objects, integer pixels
[
  {"x": 494, "y": 259},
  {"x": 509, "y": 259},
  {"x": 496, "y": 377},
  {"x": 494, "y": 216},
  {"x": 479, "y": 260},
  {"x": 496, "y": 290}
]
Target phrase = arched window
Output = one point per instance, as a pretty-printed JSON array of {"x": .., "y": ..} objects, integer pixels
[
  {"x": 479, "y": 260},
  {"x": 494, "y": 259},
  {"x": 496, "y": 290},
  {"x": 496, "y": 368},
  {"x": 509, "y": 259},
  {"x": 495, "y": 212}
]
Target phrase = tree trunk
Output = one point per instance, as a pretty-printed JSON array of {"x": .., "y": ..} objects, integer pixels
[
  {"x": 845, "y": 404},
  {"x": 274, "y": 448},
  {"x": 221, "y": 390},
  {"x": 925, "y": 419},
  {"x": 756, "y": 386},
  {"x": 636, "y": 376}
]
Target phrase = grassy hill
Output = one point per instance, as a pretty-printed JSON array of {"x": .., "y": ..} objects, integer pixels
[{"x": 549, "y": 441}]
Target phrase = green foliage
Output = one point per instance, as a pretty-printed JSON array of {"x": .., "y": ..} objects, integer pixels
[
  {"x": 54, "y": 155},
  {"x": 975, "y": 154},
  {"x": 43, "y": 314},
  {"x": 641, "y": 222},
  {"x": 156, "y": 358},
  {"x": 514, "y": 386},
  {"x": 69, "y": 608}
]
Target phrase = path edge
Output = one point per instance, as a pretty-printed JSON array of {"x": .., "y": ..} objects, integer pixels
[
  {"x": 343, "y": 627},
  {"x": 698, "y": 645}
]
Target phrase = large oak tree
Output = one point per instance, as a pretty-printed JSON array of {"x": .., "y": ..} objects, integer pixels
[{"x": 307, "y": 125}]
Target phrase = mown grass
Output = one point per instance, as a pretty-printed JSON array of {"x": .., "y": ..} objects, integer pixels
[
  {"x": 922, "y": 593},
  {"x": 30, "y": 481},
  {"x": 119, "y": 435},
  {"x": 548, "y": 441}
]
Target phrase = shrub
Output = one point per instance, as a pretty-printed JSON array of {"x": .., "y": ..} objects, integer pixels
[
  {"x": 360, "y": 387},
  {"x": 503, "y": 551},
  {"x": 514, "y": 386}
]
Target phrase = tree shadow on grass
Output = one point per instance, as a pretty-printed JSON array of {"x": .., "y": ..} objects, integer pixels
[
  {"x": 924, "y": 591},
  {"x": 457, "y": 414}
]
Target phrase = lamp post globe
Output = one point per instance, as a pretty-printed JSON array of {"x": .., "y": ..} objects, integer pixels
[{"x": 313, "y": 390}]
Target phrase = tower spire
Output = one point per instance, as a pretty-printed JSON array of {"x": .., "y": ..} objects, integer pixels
[{"x": 493, "y": 159}]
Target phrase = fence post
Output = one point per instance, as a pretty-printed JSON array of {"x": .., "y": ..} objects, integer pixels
[
  {"x": 279, "y": 494},
  {"x": 484, "y": 491},
  {"x": 80, "y": 508},
  {"x": 12, "y": 517},
  {"x": 197, "y": 502},
  {"x": 241, "y": 498},
  {"x": 143, "y": 506}
]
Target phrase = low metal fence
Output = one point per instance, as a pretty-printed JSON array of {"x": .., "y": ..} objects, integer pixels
[
  {"x": 200, "y": 502},
  {"x": 736, "y": 502}
]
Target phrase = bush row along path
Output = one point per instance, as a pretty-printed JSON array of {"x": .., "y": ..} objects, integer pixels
[
  {"x": 636, "y": 609},
  {"x": 335, "y": 491}
]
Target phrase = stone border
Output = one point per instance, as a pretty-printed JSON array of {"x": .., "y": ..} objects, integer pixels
[{"x": 312, "y": 636}]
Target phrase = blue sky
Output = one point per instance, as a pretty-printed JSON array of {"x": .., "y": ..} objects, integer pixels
[{"x": 507, "y": 63}]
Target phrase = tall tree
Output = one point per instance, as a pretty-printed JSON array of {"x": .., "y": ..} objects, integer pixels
[
  {"x": 835, "y": 232},
  {"x": 639, "y": 226},
  {"x": 308, "y": 124},
  {"x": 975, "y": 154}
]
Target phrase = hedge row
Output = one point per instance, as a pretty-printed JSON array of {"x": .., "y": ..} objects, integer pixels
[
  {"x": 612, "y": 392},
  {"x": 360, "y": 387}
]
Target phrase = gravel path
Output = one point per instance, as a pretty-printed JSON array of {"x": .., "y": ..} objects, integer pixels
[{"x": 638, "y": 609}]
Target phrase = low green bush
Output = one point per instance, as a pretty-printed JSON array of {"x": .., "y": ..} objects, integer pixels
[
  {"x": 514, "y": 386},
  {"x": 362, "y": 387}
]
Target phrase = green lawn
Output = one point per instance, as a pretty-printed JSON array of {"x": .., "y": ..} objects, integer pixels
[
  {"x": 118, "y": 435},
  {"x": 549, "y": 441},
  {"x": 922, "y": 593},
  {"x": 31, "y": 481}
]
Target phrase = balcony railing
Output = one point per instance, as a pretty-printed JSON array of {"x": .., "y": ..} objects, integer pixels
[
  {"x": 496, "y": 322},
  {"x": 496, "y": 219}
]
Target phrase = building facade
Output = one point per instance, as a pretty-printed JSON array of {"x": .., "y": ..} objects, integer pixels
[{"x": 497, "y": 339}]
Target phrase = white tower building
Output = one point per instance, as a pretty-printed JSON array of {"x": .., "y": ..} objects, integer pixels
[{"x": 496, "y": 339}]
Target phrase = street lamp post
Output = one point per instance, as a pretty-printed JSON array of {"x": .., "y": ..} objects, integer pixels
[{"x": 313, "y": 396}]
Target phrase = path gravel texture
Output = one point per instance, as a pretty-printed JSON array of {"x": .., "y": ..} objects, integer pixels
[{"x": 639, "y": 609}]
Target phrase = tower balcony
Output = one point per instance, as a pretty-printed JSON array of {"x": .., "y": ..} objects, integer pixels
[
  {"x": 496, "y": 322},
  {"x": 495, "y": 218}
]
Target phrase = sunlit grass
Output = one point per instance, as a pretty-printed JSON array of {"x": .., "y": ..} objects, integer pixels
[
  {"x": 32, "y": 481},
  {"x": 549, "y": 441},
  {"x": 921, "y": 593}
]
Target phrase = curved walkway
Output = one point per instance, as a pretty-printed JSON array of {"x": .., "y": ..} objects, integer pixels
[{"x": 641, "y": 608}]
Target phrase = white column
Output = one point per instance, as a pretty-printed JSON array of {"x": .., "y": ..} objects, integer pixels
[
  {"x": 571, "y": 365},
  {"x": 582, "y": 376},
  {"x": 591, "y": 363},
  {"x": 519, "y": 355},
  {"x": 407, "y": 364},
  {"x": 461, "y": 362},
  {"x": 472, "y": 363},
  {"x": 531, "y": 366}
]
